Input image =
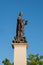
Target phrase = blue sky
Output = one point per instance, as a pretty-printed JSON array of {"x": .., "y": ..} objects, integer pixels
[{"x": 33, "y": 12}]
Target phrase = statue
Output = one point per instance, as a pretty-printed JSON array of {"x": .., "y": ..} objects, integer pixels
[
  {"x": 20, "y": 29},
  {"x": 20, "y": 26}
]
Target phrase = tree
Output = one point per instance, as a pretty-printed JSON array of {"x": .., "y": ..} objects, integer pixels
[
  {"x": 6, "y": 62},
  {"x": 35, "y": 59}
]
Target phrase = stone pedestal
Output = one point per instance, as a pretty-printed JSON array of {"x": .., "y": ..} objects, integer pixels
[{"x": 20, "y": 53}]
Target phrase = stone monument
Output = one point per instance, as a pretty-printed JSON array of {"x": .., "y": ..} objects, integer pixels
[{"x": 20, "y": 43}]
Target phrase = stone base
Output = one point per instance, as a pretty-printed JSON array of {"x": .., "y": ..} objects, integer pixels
[
  {"x": 24, "y": 44},
  {"x": 20, "y": 53}
]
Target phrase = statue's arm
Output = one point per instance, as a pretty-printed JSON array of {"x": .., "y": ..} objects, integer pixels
[{"x": 26, "y": 22}]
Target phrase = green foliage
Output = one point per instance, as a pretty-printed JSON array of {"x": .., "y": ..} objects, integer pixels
[
  {"x": 6, "y": 62},
  {"x": 35, "y": 59}
]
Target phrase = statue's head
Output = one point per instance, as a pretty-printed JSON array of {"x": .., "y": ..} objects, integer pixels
[
  {"x": 20, "y": 17},
  {"x": 20, "y": 14}
]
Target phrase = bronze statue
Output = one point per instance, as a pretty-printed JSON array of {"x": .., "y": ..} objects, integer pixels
[
  {"x": 20, "y": 26},
  {"x": 20, "y": 29}
]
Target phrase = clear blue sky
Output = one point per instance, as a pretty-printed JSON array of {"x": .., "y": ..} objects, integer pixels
[{"x": 33, "y": 12}]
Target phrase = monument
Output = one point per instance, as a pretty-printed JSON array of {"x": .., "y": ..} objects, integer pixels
[{"x": 20, "y": 43}]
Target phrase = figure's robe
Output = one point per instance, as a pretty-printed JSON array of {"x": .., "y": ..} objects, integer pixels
[{"x": 20, "y": 27}]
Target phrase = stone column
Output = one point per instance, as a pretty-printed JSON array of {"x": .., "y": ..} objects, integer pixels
[{"x": 20, "y": 53}]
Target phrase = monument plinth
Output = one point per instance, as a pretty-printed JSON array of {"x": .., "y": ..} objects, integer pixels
[
  {"x": 20, "y": 53},
  {"x": 20, "y": 43}
]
